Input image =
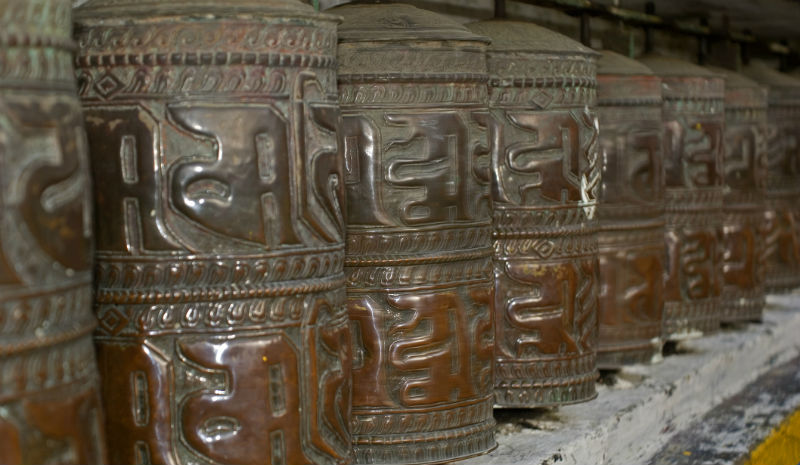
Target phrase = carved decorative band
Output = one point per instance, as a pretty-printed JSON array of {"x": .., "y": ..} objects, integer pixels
[
  {"x": 283, "y": 60},
  {"x": 542, "y": 97},
  {"x": 780, "y": 279},
  {"x": 365, "y": 278},
  {"x": 226, "y": 35},
  {"x": 533, "y": 222},
  {"x": 41, "y": 68},
  {"x": 612, "y": 240},
  {"x": 544, "y": 372},
  {"x": 424, "y": 437},
  {"x": 46, "y": 368},
  {"x": 37, "y": 41},
  {"x": 368, "y": 422},
  {"x": 713, "y": 107},
  {"x": 412, "y": 78},
  {"x": 216, "y": 293},
  {"x": 161, "y": 319},
  {"x": 687, "y": 199},
  {"x": 399, "y": 93},
  {"x": 41, "y": 316},
  {"x": 393, "y": 260},
  {"x": 403, "y": 242},
  {"x": 629, "y": 102},
  {"x": 581, "y": 390},
  {"x": 141, "y": 273},
  {"x": 427, "y": 447},
  {"x": 569, "y": 246},
  {"x": 548, "y": 82},
  {"x": 686, "y": 318}
]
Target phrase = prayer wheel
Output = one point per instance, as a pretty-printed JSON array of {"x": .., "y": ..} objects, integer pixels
[
  {"x": 782, "y": 246},
  {"x": 214, "y": 136},
  {"x": 50, "y": 409},
  {"x": 693, "y": 120},
  {"x": 412, "y": 88},
  {"x": 545, "y": 175},
  {"x": 631, "y": 238},
  {"x": 744, "y": 207}
]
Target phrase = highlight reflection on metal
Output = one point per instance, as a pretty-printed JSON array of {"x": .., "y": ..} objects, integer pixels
[
  {"x": 693, "y": 119},
  {"x": 631, "y": 212},
  {"x": 744, "y": 225},
  {"x": 545, "y": 176},
  {"x": 49, "y": 397},
  {"x": 214, "y": 135},
  {"x": 412, "y": 85},
  {"x": 783, "y": 177}
]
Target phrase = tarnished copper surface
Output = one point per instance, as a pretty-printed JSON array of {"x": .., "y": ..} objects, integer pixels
[
  {"x": 693, "y": 119},
  {"x": 631, "y": 238},
  {"x": 744, "y": 225},
  {"x": 214, "y": 138},
  {"x": 783, "y": 176},
  {"x": 412, "y": 85},
  {"x": 49, "y": 397},
  {"x": 545, "y": 175}
]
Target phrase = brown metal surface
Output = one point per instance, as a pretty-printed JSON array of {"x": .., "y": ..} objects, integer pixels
[
  {"x": 631, "y": 238},
  {"x": 783, "y": 176},
  {"x": 545, "y": 176},
  {"x": 412, "y": 85},
  {"x": 49, "y": 397},
  {"x": 214, "y": 140},
  {"x": 693, "y": 121},
  {"x": 744, "y": 225}
]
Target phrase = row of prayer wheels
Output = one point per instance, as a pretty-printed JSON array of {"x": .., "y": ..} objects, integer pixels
[{"x": 297, "y": 254}]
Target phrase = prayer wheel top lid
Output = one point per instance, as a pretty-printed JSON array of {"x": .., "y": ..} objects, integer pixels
[
  {"x": 612, "y": 63},
  {"x": 684, "y": 80},
  {"x": 392, "y": 22},
  {"x": 519, "y": 36},
  {"x": 399, "y": 42},
  {"x": 109, "y": 10},
  {"x": 622, "y": 79},
  {"x": 783, "y": 89},
  {"x": 741, "y": 91}
]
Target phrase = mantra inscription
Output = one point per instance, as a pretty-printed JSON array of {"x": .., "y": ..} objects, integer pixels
[
  {"x": 49, "y": 388},
  {"x": 693, "y": 270},
  {"x": 223, "y": 334},
  {"x": 631, "y": 234},
  {"x": 743, "y": 234},
  {"x": 545, "y": 176},
  {"x": 419, "y": 289},
  {"x": 782, "y": 248}
]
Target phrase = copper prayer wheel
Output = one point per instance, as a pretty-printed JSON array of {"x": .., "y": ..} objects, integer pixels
[
  {"x": 412, "y": 87},
  {"x": 745, "y": 170},
  {"x": 631, "y": 211},
  {"x": 782, "y": 246},
  {"x": 693, "y": 120},
  {"x": 49, "y": 394},
  {"x": 214, "y": 140},
  {"x": 545, "y": 176}
]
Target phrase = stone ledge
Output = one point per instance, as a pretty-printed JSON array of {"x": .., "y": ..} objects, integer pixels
[{"x": 646, "y": 405}]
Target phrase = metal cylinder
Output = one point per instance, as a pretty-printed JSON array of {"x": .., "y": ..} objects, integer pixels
[
  {"x": 49, "y": 394},
  {"x": 545, "y": 176},
  {"x": 744, "y": 207},
  {"x": 631, "y": 211},
  {"x": 783, "y": 176},
  {"x": 693, "y": 120},
  {"x": 412, "y": 86},
  {"x": 214, "y": 140}
]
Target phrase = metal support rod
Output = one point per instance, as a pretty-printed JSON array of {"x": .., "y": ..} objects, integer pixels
[
  {"x": 650, "y": 9},
  {"x": 703, "y": 45},
  {"x": 586, "y": 29},
  {"x": 500, "y": 9}
]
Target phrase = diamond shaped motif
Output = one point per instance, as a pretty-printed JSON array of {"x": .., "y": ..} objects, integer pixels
[
  {"x": 113, "y": 321},
  {"x": 543, "y": 99},
  {"x": 107, "y": 85}
]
